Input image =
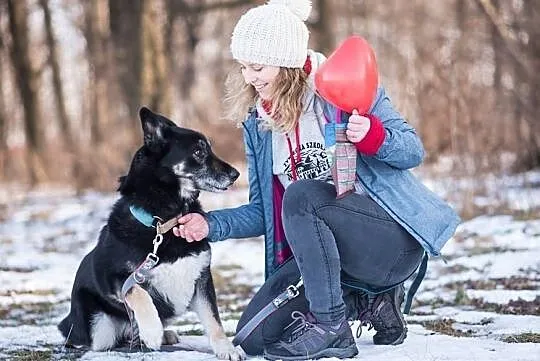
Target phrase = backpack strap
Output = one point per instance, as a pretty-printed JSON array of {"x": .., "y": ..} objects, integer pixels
[
  {"x": 292, "y": 291},
  {"x": 416, "y": 283}
]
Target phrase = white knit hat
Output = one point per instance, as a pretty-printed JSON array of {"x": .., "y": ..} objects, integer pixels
[{"x": 273, "y": 34}]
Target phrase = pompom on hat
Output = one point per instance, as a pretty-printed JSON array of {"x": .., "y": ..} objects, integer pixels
[{"x": 273, "y": 34}]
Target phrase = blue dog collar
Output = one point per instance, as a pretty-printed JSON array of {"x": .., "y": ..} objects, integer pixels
[{"x": 143, "y": 216}]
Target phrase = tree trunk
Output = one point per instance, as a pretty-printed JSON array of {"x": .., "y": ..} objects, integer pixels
[
  {"x": 26, "y": 80},
  {"x": 323, "y": 27},
  {"x": 126, "y": 18},
  {"x": 532, "y": 95},
  {"x": 65, "y": 124},
  {"x": 3, "y": 125},
  {"x": 96, "y": 34},
  {"x": 155, "y": 89}
]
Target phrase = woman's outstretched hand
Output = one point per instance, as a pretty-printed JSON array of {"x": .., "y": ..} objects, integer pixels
[
  {"x": 192, "y": 227},
  {"x": 358, "y": 127}
]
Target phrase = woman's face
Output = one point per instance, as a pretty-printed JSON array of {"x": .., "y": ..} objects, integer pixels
[{"x": 261, "y": 77}]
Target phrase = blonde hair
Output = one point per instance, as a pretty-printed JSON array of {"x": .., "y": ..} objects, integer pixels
[{"x": 287, "y": 98}]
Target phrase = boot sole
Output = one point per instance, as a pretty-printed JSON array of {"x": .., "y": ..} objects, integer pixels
[{"x": 341, "y": 353}]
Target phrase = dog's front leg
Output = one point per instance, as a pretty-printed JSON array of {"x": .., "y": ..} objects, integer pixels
[
  {"x": 146, "y": 316},
  {"x": 205, "y": 305}
]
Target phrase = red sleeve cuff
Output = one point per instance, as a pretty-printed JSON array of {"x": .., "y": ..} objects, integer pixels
[{"x": 374, "y": 137}]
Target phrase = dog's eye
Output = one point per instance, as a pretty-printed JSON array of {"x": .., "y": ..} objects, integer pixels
[{"x": 198, "y": 153}]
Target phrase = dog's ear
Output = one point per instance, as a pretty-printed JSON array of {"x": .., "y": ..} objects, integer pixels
[{"x": 153, "y": 127}]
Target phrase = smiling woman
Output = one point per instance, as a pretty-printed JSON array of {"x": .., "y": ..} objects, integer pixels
[{"x": 373, "y": 236}]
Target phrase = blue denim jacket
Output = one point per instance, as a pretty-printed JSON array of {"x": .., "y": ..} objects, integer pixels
[{"x": 385, "y": 176}]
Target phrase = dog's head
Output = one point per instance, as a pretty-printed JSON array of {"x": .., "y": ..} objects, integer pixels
[{"x": 177, "y": 157}]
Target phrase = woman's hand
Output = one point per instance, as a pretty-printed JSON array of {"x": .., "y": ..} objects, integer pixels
[
  {"x": 192, "y": 227},
  {"x": 358, "y": 127}
]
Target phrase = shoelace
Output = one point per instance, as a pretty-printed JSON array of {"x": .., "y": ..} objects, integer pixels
[
  {"x": 299, "y": 330},
  {"x": 368, "y": 316}
]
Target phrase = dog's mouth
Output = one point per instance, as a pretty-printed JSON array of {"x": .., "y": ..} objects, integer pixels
[{"x": 211, "y": 185}]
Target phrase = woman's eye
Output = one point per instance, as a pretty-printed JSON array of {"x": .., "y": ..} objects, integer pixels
[{"x": 258, "y": 69}]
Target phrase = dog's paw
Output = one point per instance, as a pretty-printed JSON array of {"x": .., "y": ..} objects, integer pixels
[
  {"x": 225, "y": 350},
  {"x": 152, "y": 335},
  {"x": 170, "y": 337}
]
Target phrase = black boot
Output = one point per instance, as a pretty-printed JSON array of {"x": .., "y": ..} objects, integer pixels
[
  {"x": 306, "y": 339},
  {"x": 382, "y": 311}
]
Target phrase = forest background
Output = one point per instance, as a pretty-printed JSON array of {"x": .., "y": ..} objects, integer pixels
[{"x": 73, "y": 74}]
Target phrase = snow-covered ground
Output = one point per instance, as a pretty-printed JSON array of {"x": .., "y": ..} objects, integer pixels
[{"x": 482, "y": 304}]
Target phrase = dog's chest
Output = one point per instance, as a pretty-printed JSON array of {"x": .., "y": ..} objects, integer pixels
[{"x": 176, "y": 281}]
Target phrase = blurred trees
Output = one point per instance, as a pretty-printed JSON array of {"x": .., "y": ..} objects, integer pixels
[
  {"x": 73, "y": 74},
  {"x": 26, "y": 78}
]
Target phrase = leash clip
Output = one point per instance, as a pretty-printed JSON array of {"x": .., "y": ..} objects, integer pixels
[
  {"x": 140, "y": 273},
  {"x": 158, "y": 239}
]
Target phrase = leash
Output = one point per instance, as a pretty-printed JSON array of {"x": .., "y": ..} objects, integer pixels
[
  {"x": 142, "y": 272},
  {"x": 291, "y": 292}
]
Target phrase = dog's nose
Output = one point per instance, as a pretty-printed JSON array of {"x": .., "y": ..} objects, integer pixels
[{"x": 234, "y": 174}]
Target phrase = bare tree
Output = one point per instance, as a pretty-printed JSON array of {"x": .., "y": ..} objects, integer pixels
[
  {"x": 322, "y": 27},
  {"x": 96, "y": 32},
  {"x": 65, "y": 124},
  {"x": 522, "y": 60},
  {"x": 27, "y": 83},
  {"x": 126, "y": 25},
  {"x": 3, "y": 124},
  {"x": 155, "y": 85}
]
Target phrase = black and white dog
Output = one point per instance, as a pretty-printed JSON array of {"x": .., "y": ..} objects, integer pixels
[{"x": 164, "y": 180}]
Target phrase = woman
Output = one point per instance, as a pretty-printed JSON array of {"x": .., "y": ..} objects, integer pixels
[{"x": 359, "y": 248}]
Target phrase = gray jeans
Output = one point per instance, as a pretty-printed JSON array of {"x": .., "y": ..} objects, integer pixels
[{"x": 336, "y": 243}]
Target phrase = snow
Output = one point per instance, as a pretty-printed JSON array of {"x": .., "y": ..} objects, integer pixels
[{"x": 45, "y": 233}]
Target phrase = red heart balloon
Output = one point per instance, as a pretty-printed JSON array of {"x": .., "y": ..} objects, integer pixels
[{"x": 348, "y": 78}]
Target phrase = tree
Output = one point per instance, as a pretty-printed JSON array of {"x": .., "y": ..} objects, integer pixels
[
  {"x": 27, "y": 83},
  {"x": 96, "y": 32},
  {"x": 60, "y": 106},
  {"x": 3, "y": 124}
]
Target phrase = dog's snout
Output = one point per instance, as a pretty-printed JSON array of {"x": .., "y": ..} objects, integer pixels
[{"x": 234, "y": 174}]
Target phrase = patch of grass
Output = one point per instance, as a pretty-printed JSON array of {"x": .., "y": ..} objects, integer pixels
[
  {"x": 458, "y": 268},
  {"x": 514, "y": 307},
  {"x": 31, "y": 355},
  {"x": 527, "y": 337},
  {"x": 193, "y": 332},
  {"x": 38, "y": 313},
  {"x": 480, "y": 250},
  {"x": 461, "y": 297},
  {"x": 18, "y": 269},
  {"x": 434, "y": 303},
  {"x": 511, "y": 283},
  {"x": 30, "y": 292},
  {"x": 52, "y": 353},
  {"x": 445, "y": 326},
  {"x": 527, "y": 215}
]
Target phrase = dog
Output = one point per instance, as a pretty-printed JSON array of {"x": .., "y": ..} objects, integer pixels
[{"x": 164, "y": 180}]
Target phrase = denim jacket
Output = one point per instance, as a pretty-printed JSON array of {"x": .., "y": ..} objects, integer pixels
[{"x": 385, "y": 177}]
